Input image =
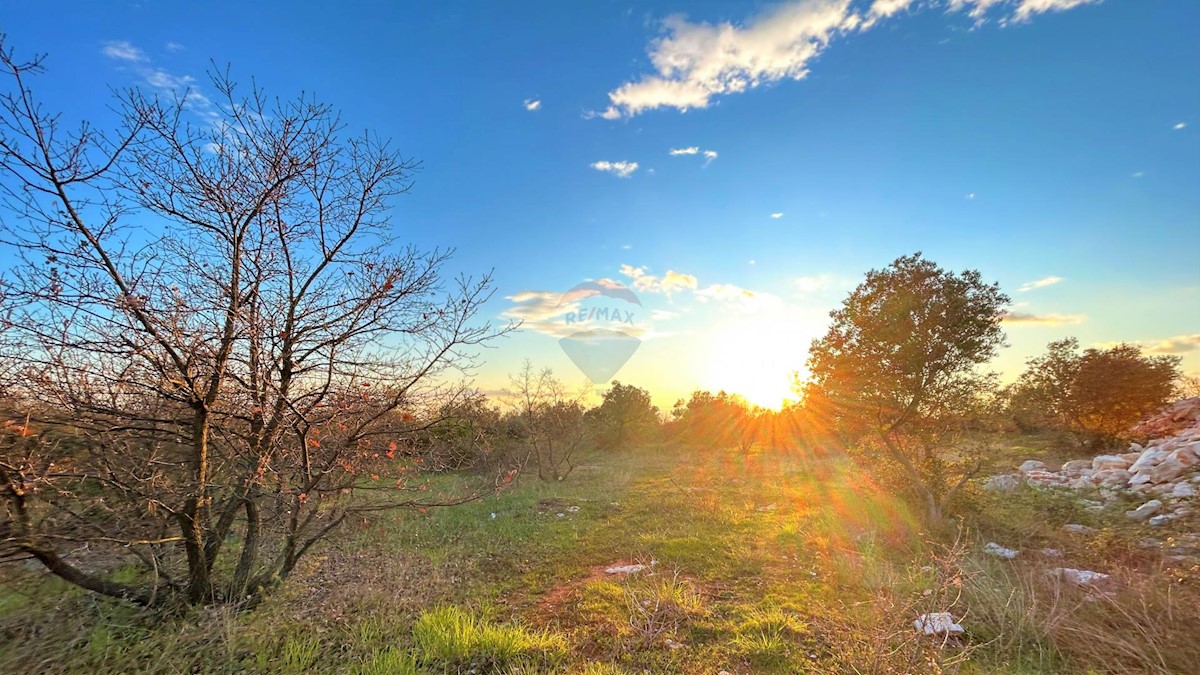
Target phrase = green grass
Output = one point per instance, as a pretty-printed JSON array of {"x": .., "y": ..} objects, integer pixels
[
  {"x": 448, "y": 637},
  {"x": 765, "y": 563}
]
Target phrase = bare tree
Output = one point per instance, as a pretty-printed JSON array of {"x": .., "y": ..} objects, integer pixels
[
  {"x": 552, "y": 421},
  {"x": 216, "y": 347}
]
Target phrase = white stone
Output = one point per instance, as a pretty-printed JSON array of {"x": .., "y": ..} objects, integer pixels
[
  {"x": 1032, "y": 465},
  {"x": 1162, "y": 519},
  {"x": 1145, "y": 510},
  {"x": 1077, "y": 466},
  {"x": 1108, "y": 462},
  {"x": 1052, "y": 553},
  {"x": 998, "y": 550},
  {"x": 1173, "y": 466},
  {"x": 1002, "y": 483},
  {"x": 937, "y": 623},
  {"x": 1148, "y": 459},
  {"x": 1079, "y": 577},
  {"x": 625, "y": 569},
  {"x": 1075, "y": 528}
]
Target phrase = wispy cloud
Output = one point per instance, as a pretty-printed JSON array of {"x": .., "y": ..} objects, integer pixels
[
  {"x": 164, "y": 82},
  {"x": 621, "y": 169},
  {"x": 123, "y": 51},
  {"x": 1179, "y": 126},
  {"x": 671, "y": 282},
  {"x": 1178, "y": 344},
  {"x": 739, "y": 298},
  {"x": 541, "y": 311},
  {"x": 532, "y": 104},
  {"x": 812, "y": 283},
  {"x": 777, "y": 215},
  {"x": 675, "y": 152},
  {"x": 173, "y": 47},
  {"x": 1027, "y": 319},
  {"x": 1039, "y": 283},
  {"x": 694, "y": 63},
  {"x": 709, "y": 156}
]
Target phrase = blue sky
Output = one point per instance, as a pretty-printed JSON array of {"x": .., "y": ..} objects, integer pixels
[{"x": 1052, "y": 141}]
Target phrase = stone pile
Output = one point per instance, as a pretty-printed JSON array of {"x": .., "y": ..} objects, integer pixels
[{"x": 1164, "y": 470}]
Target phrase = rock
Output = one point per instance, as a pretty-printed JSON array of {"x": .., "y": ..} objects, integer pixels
[
  {"x": 1031, "y": 465},
  {"x": 1149, "y": 543},
  {"x": 1077, "y": 466},
  {"x": 1091, "y": 504},
  {"x": 1145, "y": 510},
  {"x": 1162, "y": 519},
  {"x": 1173, "y": 466},
  {"x": 937, "y": 623},
  {"x": 766, "y": 509},
  {"x": 1002, "y": 483},
  {"x": 572, "y": 509},
  {"x": 1075, "y": 528},
  {"x": 1052, "y": 553},
  {"x": 1148, "y": 459},
  {"x": 1108, "y": 462},
  {"x": 625, "y": 569},
  {"x": 1139, "y": 479},
  {"x": 997, "y": 550},
  {"x": 1079, "y": 577},
  {"x": 1045, "y": 478}
]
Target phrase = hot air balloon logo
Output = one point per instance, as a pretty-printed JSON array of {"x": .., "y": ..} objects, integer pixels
[{"x": 601, "y": 330}]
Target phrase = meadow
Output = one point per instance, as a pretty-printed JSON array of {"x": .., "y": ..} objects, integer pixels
[{"x": 759, "y": 562}]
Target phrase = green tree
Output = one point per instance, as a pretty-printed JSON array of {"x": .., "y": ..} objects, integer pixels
[
  {"x": 1099, "y": 392},
  {"x": 898, "y": 371},
  {"x": 626, "y": 415}
]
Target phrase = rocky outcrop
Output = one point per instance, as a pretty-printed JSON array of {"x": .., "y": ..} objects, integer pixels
[{"x": 1163, "y": 471}]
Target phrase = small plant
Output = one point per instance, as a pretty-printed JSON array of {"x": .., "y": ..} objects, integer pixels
[
  {"x": 390, "y": 661},
  {"x": 767, "y": 635},
  {"x": 659, "y": 605},
  {"x": 298, "y": 655},
  {"x": 450, "y": 636}
]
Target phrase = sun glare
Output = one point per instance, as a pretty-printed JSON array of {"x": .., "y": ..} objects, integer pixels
[{"x": 756, "y": 357}]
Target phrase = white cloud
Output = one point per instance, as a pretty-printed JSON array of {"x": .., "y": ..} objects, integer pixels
[
  {"x": 1138, "y": 174},
  {"x": 173, "y": 47},
  {"x": 777, "y": 215},
  {"x": 1022, "y": 10},
  {"x": 541, "y": 311},
  {"x": 709, "y": 156},
  {"x": 692, "y": 63},
  {"x": 812, "y": 284},
  {"x": 621, "y": 169},
  {"x": 1028, "y": 319},
  {"x": 165, "y": 83},
  {"x": 739, "y": 298},
  {"x": 1040, "y": 283},
  {"x": 122, "y": 51},
  {"x": 970, "y": 196},
  {"x": 882, "y": 9},
  {"x": 1179, "y": 126},
  {"x": 532, "y": 104},
  {"x": 669, "y": 283},
  {"x": 685, "y": 151},
  {"x": 752, "y": 261},
  {"x": 1178, "y": 344},
  {"x": 1027, "y": 8},
  {"x": 626, "y": 247}
]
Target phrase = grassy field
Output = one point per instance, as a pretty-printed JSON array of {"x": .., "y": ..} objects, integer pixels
[{"x": 754, "y": 564}]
